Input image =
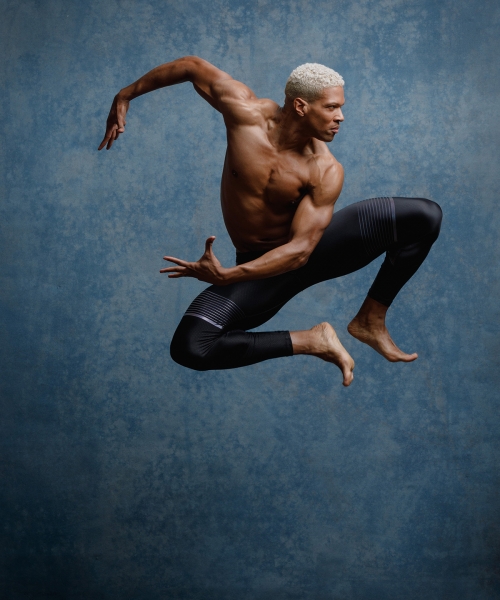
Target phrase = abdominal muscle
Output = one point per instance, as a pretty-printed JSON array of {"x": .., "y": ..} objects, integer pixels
[{"x": 253, "y": 224}]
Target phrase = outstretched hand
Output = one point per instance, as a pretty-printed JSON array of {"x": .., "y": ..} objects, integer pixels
[
  {"x": 207, "y": 269},
  {"x": 115, "y": 124}
]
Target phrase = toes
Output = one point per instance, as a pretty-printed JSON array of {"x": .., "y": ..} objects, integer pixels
[
  {"x": 400, "y": 357},
  {"x": 348, "y": 377},
  {"x": 348, "y": 374}
]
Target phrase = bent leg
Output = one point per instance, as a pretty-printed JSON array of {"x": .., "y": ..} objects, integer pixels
[
  {"x": 417, "y": 226},
  {"x": 403, "y": 228},
  {"x": 418, "y": 222},
  {"x": 202, "y": 346},
  {"x": 212, "y": 334}
]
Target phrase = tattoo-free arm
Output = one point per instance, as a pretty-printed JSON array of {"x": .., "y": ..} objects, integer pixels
[
  {"x": 209, "y": 81},
  {"x": 313, "y": 215}
]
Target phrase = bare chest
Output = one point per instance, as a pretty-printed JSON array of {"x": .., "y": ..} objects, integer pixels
[
  {"x": 255, "y": 168},
  {"x": 287, "y": 183}
]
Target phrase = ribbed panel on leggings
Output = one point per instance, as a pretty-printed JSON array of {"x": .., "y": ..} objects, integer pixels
[
  {"x": 377, "y": 221},
  {"x": 214, "y": 309}
]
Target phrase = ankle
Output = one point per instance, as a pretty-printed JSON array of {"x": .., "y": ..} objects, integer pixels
[
  {"x": 301, "y": 342},
  {"x": 371, "y": 312}
]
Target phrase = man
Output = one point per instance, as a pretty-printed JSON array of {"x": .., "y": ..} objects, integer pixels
[{"x": 279, "y": 188}]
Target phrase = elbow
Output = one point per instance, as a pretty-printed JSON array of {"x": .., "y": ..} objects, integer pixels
[
  {"x": 192, "y": 59},
  {"x": 188, "y": 66},
  {"x": 301, "y": 259},
  {"x": 191, "y": 63}
]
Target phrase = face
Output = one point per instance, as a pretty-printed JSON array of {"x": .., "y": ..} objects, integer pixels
[{"x": 323, "y": 116}]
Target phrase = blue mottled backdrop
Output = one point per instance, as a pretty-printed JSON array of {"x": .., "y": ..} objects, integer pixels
[{"x": 127, "y": 477}]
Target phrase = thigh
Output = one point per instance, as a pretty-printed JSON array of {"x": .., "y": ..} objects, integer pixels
[
  {"x": 343, "y": 248},
  {"x": 246, "y": 304}
]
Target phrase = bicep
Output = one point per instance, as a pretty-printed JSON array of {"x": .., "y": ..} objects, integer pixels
[
  {"x": 218, "y": 88},
  {"x": 316, "y": 209},
  {"x": 309, "y": 224}
]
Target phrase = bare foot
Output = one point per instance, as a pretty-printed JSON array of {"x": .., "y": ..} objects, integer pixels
[
  {"x": 368, "y": 326},
  {"x": 322, "y": 341}
]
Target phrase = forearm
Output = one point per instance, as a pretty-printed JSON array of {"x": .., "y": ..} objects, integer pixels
[
  {"x": 275, "y": 262},
  {"x": 171, "y": 73}
]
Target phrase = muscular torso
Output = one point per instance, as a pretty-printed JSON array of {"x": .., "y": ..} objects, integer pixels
[{"x": 262, "y": 185}]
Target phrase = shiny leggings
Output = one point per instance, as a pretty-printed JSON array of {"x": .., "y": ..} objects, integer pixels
[{"x": 213, "y": 332}]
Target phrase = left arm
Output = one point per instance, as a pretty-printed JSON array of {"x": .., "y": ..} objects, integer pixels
[{"x": 313, "y": 215}]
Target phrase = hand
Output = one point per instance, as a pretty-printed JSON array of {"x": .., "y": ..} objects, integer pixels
[
  {"x": 115, "y": 125},
  {"x": 207, "y": 269}
]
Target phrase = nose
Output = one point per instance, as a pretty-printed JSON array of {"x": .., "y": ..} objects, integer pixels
[{"x": 339, "y": 116}]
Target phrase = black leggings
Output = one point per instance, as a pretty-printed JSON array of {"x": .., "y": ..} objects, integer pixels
[{"x": 213, "y": 332}]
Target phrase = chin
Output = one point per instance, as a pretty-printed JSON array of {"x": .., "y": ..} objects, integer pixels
[{"x": 325, "y": 137}]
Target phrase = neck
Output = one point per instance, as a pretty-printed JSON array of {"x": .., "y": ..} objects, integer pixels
[{"x": 289, "y": 132}]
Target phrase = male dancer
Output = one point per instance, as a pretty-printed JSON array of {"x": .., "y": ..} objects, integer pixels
[{"x": 279, "y": 187}]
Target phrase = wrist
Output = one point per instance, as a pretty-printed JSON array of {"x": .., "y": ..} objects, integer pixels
[
  {"x": 126, "y": 94},
  {"x": 227, "y": 275}
]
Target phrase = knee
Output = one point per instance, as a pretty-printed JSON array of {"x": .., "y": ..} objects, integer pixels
[
  {"x": 187, "y": 355},
  {"x": 430, "y": 216},
  {"x": 186, "y": 350}
]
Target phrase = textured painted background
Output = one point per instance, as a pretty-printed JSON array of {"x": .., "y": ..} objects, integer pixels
[{"x": 125, "y": 476}]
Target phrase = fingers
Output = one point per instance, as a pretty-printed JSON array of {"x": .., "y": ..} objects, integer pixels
[
  {"x": 115, "y": 124},
  {"x": 181, "y": 270},
  {"x": 208, "y": 244},
  {"x": 112, "y": 135},
  {"x": 115, "y": 136},
  {"x": 177, "y": 261},
  {"x": 108, "y": 140},
  {"x": 121, "y": 123},
  {"x": 174, "y": 270},
  {"x": 104, "y": 142}
]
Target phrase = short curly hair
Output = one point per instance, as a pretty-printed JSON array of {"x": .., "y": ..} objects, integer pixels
[{"x": 309, "y": 80}]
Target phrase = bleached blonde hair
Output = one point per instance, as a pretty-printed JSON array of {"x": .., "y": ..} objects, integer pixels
[{"x": 309, "y": 80}]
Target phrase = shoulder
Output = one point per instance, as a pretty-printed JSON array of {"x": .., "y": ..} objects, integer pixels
[
  {"x": 240, "y": 106},
  {"x": 325, "y": 167},
  {"x": 327, "y": 174},
  {"x": 235, "y": 100}
]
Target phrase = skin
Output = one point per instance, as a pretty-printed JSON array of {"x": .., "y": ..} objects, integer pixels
[{"x": 279, "y": 187}]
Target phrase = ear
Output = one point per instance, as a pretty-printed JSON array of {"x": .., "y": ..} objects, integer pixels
[{"x": 301, "y": 106}]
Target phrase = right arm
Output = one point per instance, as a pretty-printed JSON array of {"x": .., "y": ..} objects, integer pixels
[
  {"x": 212, "y": 84},
  {"x": 312, "y": 217}
]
